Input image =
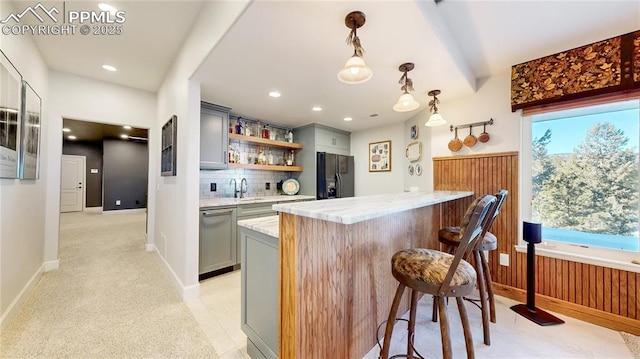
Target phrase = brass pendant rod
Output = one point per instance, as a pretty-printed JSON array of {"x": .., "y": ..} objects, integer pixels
[{"x": 490, "y": 123}]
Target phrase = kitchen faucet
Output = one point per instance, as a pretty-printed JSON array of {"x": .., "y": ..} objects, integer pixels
[
  {"x": 243, "y": 191},
  {"x": 235, "y": 187}
]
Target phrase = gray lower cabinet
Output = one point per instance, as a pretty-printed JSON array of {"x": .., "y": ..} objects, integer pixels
[
  {"x": 248, "y": 211},
  {"x": 218, "y": 240},
  {"x": 260, "y": 293}
]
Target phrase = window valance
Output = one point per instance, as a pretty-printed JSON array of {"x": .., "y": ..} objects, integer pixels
[{"x": 604, "y": 67}]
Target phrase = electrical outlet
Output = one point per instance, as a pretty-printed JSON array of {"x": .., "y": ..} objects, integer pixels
[
  {"x": 117, "y": 202},
  {"x": 214, "y": 187},
  {"x": 267, "y": 186},
  {"x": 504, "y": 259}
]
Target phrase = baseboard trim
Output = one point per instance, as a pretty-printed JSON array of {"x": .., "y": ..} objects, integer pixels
[
  {"x": 186, "y": 293},
  {"x": 587, "y": 314},
  {"x": 22, "y": 296},
  {"x": 51, "y": 265},
  {"x": 122, "y": 211}
]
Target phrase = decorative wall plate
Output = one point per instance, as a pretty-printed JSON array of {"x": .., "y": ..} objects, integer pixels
[
  {"x": 414, "y": 132},
  {"x": 414, "y": 151},
  {"x": 418, "y": 169},
  {"x": 411, "y": 170}
]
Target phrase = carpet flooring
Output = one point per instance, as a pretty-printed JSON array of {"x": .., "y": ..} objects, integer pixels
[{"x": 109, "y": 299}]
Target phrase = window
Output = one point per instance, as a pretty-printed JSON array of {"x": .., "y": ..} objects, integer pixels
[{"x": 584, "y": 180}]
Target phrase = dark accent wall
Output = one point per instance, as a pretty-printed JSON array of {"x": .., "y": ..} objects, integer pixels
[
  {"x": 125, "y": 174},
  {"x": 93, "y": 153}
]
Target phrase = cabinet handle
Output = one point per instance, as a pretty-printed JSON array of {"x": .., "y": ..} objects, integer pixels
[
  {"x": 216, "y": 213},
  {"x": 225, "y": 157}
]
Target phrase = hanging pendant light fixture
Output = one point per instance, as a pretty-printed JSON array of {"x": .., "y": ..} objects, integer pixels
[
  {"x": 355, "y": 71},
  {"x": 406, "y": 102},
  {"x": 435, "y": 119}
]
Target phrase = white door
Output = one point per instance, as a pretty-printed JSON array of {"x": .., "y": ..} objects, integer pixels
[{"x": 72, "y": 182}]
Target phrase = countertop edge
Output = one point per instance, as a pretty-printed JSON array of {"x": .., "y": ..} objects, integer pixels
[{"x": 357, "y": 209}]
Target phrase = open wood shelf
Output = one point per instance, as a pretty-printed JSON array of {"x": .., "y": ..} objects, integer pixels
[
  {"x": 266, "y": 167},
  {"x": 266, "y": 142}
]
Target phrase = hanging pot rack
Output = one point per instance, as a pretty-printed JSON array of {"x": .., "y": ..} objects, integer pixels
[{"x": 483, "y": 123}]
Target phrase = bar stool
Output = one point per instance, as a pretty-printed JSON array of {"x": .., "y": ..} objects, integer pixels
[
  {"x": 439, "y": 274},
  {"x": 450, "y": 237}
]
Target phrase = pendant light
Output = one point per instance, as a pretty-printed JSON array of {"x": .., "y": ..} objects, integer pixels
[
  {"x": 435, "y": 119},
  {"x": 406, "y": 102},
  {"x": 355, "y": 71}
]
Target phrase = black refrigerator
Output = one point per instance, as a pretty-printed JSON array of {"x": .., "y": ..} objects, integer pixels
[{"x": 334, "y": 175}]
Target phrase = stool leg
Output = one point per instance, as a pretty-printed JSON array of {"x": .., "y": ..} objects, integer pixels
[
  {"x": 391, "y": 321},
  {"x": 483, "y": 298},
  {"x": 468, "y": 339},
  {"x": 412, "y": 322},
  {"x": 434, "y": 313},
  {"x": 488, "y": 281},
  {"x": 444, "y": 329}
]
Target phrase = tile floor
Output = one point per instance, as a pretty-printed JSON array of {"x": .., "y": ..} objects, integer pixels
[{"x": 218, "y": 312}]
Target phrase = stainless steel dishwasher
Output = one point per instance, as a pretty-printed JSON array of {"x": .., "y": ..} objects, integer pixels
[{"x": 217, "y": 239}]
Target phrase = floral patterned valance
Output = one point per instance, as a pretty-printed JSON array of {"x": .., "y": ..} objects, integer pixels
[{"x": 603, "y": 67}]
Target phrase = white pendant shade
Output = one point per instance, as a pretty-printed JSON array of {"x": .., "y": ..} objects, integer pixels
[
  {"x": 435, "y": 120},
  {"x": 355, "y": 71},
  {"x": 405, "y": 103}
]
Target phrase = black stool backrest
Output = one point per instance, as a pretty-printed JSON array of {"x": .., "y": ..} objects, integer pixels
[{"x": 470, "y": 230}]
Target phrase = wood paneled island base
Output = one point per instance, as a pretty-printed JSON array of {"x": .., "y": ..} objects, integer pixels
[{"x": 335, "y": 278}]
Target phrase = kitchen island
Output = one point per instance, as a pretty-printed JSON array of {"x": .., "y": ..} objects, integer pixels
[{"x": 334, "y": 269}]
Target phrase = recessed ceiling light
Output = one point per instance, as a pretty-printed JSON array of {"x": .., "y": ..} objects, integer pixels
[
  {"x": 124, "y": 136},
  {"x": 126, "y": 127},
  {"x": 107, "y": 7},
  {"x": 66, "y": 130},
  {"x": 109, "y": 68},
  {"x": 316, "y": 108},
  {"x": 348, "y": 119},
  {"x": 71, "y": 137},
  {"x": 274, "y": 94}
]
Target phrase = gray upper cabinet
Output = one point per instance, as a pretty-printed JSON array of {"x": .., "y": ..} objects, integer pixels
[
  {"x": 317, "y": 138},
  {"x": 214, "y": 136}
]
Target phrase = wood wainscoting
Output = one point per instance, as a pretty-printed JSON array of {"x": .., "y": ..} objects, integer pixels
[{"x": 603, "y": 296}]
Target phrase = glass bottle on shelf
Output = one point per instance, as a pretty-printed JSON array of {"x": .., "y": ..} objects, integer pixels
[
  {"x": 270, "y": 158},
  {"x": 290, "y": 158},
  {"x": 252, "y": 157},
  {"x": 290, "y": 136},
  {"x": 239, "y": 130},
  {"x": 237, "y": 155},
  {"x": 247, "y": 129},
  {"x": 232, "y": 155},
  {"x": 262, "y": 159},
  {"x": 257, "y": 129}
]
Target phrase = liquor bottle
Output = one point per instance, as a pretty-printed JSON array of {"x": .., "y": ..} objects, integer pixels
[
  {"x": 262, "y": 159},
  {"x": 270, "y": 158},
  {"x": 232, "y": 155},
  {"x": 290, "y": 136},
  {"x": 239, "y": 128}
]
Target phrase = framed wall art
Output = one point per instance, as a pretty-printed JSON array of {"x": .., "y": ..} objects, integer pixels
[
  {"x": 10, "y": 116},
  {"x": 169, "y": 147},
  {"x": 29, "y": 163},
  {"x": 380, "y": 156}
]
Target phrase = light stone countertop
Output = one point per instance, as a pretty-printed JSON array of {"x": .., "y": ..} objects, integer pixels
[
  {"x": 264, "y": 225},
  {"x": 356, "y": 209},
  {"x": 230, "y": 201}
]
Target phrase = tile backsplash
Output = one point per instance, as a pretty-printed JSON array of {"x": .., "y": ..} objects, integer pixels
[{"x": 256, "y": 180}]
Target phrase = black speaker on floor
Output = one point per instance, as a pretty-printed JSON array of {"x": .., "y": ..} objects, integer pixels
[{"x": 532, "y": 234}]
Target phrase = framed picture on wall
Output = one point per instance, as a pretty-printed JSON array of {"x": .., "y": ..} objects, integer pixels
[
  {"x": 29, "y": 163},
  {"x": 380, "y": 156},
  {"x": 169, "y": 146},
  {"x": 10, "y": 116}
]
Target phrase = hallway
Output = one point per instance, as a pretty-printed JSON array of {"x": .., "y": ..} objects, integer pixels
[{"x": 109, "y": 299}]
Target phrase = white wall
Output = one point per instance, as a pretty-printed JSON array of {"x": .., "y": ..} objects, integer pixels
[
  {"x": 176, "y": 225},
  {"x": 81, "y": 98},
  {"x": 368, "y": 183},
  {"x": 22, "y": 203},
  {"x": 492, "y": 100}
]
